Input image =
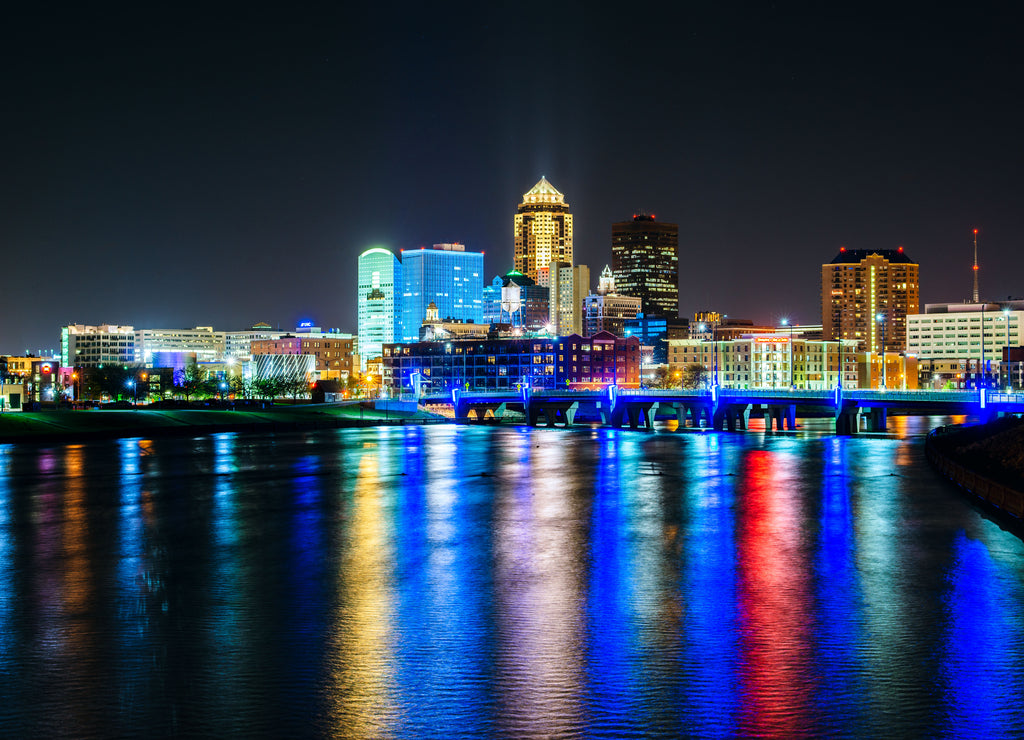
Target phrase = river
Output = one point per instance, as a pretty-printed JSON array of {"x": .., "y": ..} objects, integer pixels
[{"x": 462, "y": 582}]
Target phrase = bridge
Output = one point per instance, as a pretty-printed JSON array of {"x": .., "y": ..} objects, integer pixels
[{"x": 722, "y": 409}]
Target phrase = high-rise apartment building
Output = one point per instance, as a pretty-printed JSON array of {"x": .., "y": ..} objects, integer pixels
[
  {"x": 569, "y": 287},
  {"x": 645, "y": 260},
  {"x": 379, "y": 302},
  {"x": 866, "y": 295},
  {"x": 447, "y": 276},
  {"x": 543, "y": 232}
]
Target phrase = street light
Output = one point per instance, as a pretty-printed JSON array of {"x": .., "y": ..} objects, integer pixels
[
  {"x": 880, "y": 318},
  {"x": 135, "y": 396},
  {"x": 1006, "y": 318},
  {"x": 792, "y": 377}
]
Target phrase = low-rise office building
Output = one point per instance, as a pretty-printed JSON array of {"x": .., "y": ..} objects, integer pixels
[
  {"x": 768, "y": 361},
  {"x": 511, "y": 363}
]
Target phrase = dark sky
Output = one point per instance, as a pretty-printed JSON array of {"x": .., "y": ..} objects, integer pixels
[{"x": 182, "y": 167}]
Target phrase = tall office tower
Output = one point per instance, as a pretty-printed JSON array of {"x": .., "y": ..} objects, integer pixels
[
  {"x": 645, "y": 260},
  {"x": 380, "y": 321},
  {"x": 866, "y": 294},
  {"x": 447, "y": 276},
  {"x": 543, "y": 232},
  {"x": 569, "y": 287}
]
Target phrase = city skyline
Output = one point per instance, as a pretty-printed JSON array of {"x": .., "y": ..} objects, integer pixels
[{"x": 174, "y": 173}]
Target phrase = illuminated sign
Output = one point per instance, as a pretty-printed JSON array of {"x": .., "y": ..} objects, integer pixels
[
  {"x": 46, "y": 369},
  {"x": 772, "y": 340},
  {"x": 306, "y": 325}
]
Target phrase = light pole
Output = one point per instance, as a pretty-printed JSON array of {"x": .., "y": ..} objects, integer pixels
[
  {"x": 135, "y": 396},
  {"x": 792, "y": 375},
  {"x": 1006, "y": 318},
  {"x": 981, "y": 381},
  {"x": 880, "y": 318}
]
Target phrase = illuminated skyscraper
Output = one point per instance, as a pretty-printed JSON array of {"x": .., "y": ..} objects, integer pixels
[
  {"x": 645, "y": 260},
  {"x": 380, "y": 321},
  {"x": 543, "y": 232},
  {"x": 866, "y": 294},
  {"x": 447, "y": 276}
]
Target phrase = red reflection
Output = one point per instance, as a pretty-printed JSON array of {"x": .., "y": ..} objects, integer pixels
[{"x": 773, "y": 593}]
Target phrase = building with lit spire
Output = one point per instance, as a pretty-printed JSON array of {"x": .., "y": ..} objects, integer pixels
[{"x": 543, "y": 232}]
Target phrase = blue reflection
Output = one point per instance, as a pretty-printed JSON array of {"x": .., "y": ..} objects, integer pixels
[
  {"x": 7, "y": 586},
  {"x": 711, "y": 705},
  {"x": 611, "y": 630},
  {"x": 441, "y": 610},
  {"x": 838, "y": 592},
  {"x": 978, "y": 673}
]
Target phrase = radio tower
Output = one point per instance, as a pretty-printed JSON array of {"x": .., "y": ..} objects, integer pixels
[{"x": 976, "y": 299}]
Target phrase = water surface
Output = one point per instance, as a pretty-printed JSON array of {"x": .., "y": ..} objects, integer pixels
[{"x": 455, "y": 581}]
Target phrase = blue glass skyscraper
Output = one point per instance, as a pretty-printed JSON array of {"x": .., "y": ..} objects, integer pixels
[
  {"x": 380, "y": 280},
  {"x": 446, "y": 275}
]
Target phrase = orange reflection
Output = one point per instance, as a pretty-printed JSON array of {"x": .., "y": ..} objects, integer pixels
[
  {"x": 773, "y": 598},
  {"x": 361, "y": 665}
]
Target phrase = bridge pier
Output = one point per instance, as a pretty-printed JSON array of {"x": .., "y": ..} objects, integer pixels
[
  {"x": 877, "y": 420},
  {"x": 848, "y": 421},
  {"x": 480, "y": 410},
  {"x": 554, "y": 412},
  {"x": 632, "y": 411}
]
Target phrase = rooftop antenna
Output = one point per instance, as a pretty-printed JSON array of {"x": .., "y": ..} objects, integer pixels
[{"x": 976, "y": 299}]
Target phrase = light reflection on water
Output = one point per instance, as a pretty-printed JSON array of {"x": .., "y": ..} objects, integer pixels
[{"x": 503, "y": 582}]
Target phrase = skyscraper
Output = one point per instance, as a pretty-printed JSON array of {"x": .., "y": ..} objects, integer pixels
[
  {"x": 569, "y": 287},
  {"x": 645, "y": 260},
  {"x": 543, "y": 232},
  {"x": 446, "y": 275},
  {"x": 380, "y": 273},
  {"x": 866, "y": 295}
]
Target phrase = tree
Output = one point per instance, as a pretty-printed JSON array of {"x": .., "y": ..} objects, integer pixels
[
  {"x": 242, "y": 387},
  {"x": 695, "y": 376},
  {"x": 192, "y": 380},
  {"x": 661, "y": 378}
]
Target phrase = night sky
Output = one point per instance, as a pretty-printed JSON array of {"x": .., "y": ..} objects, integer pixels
[{"x": 174, "y": 167}]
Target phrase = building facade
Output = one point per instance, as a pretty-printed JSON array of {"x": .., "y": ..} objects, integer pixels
[
  {"x": 492, "y": 364},
  {"x": 379, "y": 302},
  {"x": 447, "y": 276},
  {"x": 543, "y": 232},
  {"x": 84, "y": 345},
  {"x": 971, "y": 337},
  {"x": 512, "y": 363},
  {"x": 569, "y": 287},
  {"x": 207, "y": 345},
  {"x": 524, "y": 304},
  {"x": 333, "y": 354},
  {"x": 768, "y": 361},
  {"x": 607, "y": 310},
  {"x": 867, "y": 295},
  {"x": 645, "y": 261},
  {"x": 598, "y": 361}
]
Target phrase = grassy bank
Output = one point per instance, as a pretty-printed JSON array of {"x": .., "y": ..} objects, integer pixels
[{"x": 67, "y": 425}]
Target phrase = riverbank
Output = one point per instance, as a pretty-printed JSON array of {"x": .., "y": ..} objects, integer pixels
[
  {"x": 81, "y": 425},
  {"x": 987, "y": 461}
]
